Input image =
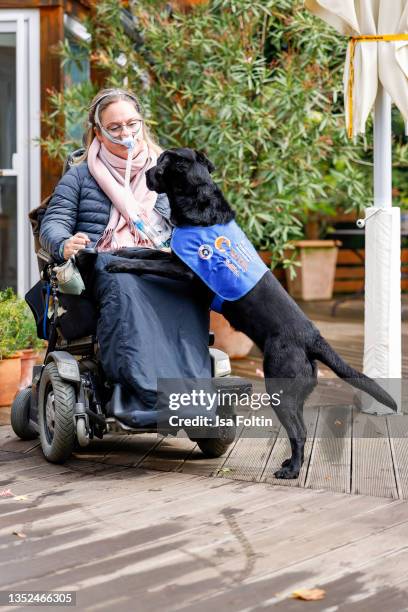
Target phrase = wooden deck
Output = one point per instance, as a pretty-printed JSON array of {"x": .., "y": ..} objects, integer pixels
[
  {"x": 346, "y": 451},
  {"x": 138, "y": 522},
  {"x": 124, "y": 535}
]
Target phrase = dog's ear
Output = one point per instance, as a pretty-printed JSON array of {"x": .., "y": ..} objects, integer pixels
[{"x": 204, "y": 160}]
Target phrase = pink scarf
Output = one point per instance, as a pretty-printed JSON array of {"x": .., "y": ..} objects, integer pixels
[{"x": 109, "y": 172}]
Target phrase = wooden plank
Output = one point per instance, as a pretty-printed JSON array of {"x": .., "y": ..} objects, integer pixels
[
  {"x": 371, "y": 582},
  {"x": 6, "y": 456},
  {"x": 141, "y": 523},
  {"x": 281, "y": 451},
  {"x": 37, "y": 488},
  {"x": 317, "y": 538},
  {"x": 170, "y": 454},
  {"x": 129, "y": 450},
  {"x": 359, "y": 540},
  {"x": 372, "y": 464},
  {"x": 331, "y": 392},
  {"x": 36, "y": 473},
  {"x": 242, "y": 545},
  {"x": 250, "y": 454},
  {"x": 350, "y": 272},
  {"x": 330, "y": 462},
  {"x": 110, "y": 485},
  {"x": 347, "y": 286},
  {"x": 398, "y": 432},
  {"x": 197, "y": 463},
  {"x": 347, "y": 256},
  {"x": 10, "y": 442},
  {"x": 5, "y": 415},
  {"x": 205, "y": 466},
  {"x": 97, "y": 450},
  {"x": 108, "y": 563},
  {"x": 151, "y": 491},
  {"x": 51, "y": 32}
]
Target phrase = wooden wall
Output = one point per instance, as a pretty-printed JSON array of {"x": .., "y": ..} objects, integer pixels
[
  {"x": 51, "y": 32},
  {"x": 350, "y": 271}
]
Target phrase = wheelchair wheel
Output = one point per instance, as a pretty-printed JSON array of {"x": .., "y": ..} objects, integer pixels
[
  {"x": 82, "y": 433},
  {"x": 56, "y": 403},
  {"x": 213, "y": 447},
  {"x": 20, "y": 415},
  {"x": 217, "y": 446}
]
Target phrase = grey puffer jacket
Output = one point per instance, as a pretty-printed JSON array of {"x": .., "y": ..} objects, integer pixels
[{"x": 78, "y": 204}]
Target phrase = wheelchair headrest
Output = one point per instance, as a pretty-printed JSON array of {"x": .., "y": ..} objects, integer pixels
[
  {"x": 72, "y": 159},
  {"x": 36, "y": 215}
]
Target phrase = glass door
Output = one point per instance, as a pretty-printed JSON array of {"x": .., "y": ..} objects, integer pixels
[
  {"x": 8, "y": 149},
  {"x": 19, "y": 160}
]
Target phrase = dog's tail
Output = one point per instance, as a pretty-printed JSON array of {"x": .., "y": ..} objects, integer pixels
[{"x": 322, "y": 351}]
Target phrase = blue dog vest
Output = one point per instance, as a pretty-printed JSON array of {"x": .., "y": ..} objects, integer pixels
[{"x": 222, "y": 256}]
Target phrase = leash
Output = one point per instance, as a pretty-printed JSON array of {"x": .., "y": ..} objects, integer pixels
[{"x": 350, "y": 88}]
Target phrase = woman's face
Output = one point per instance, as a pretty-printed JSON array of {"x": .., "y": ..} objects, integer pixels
[{"x": 113, "y": 116}]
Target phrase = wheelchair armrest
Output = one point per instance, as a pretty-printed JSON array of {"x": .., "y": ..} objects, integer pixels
[{"x": 45, "y": 256}]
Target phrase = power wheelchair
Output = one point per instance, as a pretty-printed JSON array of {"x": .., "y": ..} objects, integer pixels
[{"x": 70, "y": 401}]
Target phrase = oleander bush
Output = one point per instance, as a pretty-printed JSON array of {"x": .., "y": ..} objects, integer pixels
[{"x": 256, "y": 84}]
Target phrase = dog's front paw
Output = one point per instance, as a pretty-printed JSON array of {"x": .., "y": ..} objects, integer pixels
[{"x": 287, "y": 473}]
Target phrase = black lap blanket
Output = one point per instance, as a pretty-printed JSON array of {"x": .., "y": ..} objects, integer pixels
[{"x": 149, "y": 327}]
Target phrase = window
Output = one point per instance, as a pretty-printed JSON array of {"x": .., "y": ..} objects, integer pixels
[{"x": 77, "y": 70}]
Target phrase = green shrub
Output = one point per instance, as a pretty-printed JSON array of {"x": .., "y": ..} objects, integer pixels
[
  {"x": 257, "y": 84},
  {"x": 17, "y": 326}
]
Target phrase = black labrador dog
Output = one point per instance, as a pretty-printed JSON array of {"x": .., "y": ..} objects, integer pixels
[{"x": 290, "y": 342}]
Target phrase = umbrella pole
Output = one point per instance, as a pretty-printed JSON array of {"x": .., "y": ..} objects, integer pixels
[{"x": 382, "y": 326}]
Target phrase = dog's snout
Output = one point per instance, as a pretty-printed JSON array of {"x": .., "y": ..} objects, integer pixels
[
  {"x": 153, "y": 176},
  {"x": 150, "y": 179}
]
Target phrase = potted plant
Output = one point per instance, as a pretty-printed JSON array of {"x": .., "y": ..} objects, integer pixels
[
  {"x": 313, "y": 278},
  {"x": 28, "y": 343},
  {"x": 18, "y": 345},
  {"x": 10, "y": 358}
]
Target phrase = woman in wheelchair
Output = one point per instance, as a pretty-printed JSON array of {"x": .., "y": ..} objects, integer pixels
[{"x": 147, "y": 327}]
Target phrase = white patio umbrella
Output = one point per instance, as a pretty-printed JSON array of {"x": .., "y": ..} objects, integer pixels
[{"x": 375, "y": 73}]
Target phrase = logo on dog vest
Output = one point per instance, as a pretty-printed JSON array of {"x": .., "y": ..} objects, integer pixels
[
  {"x": 205, "y": 251},
  {"x": 222, "y": 256}
]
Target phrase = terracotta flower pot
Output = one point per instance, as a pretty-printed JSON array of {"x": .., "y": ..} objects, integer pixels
[
  {"x": 10, "y": 373},
  {"x": 315, "y": 278},
  {"x": 28, "y": 361},
  {"x": 234, "y": 343}
]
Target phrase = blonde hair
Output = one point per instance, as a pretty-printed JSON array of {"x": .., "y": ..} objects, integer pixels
[{"x": 102, "y": 100}]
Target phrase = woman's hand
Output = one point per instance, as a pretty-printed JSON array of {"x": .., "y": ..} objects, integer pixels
[{"x": 74, "y": 244}]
